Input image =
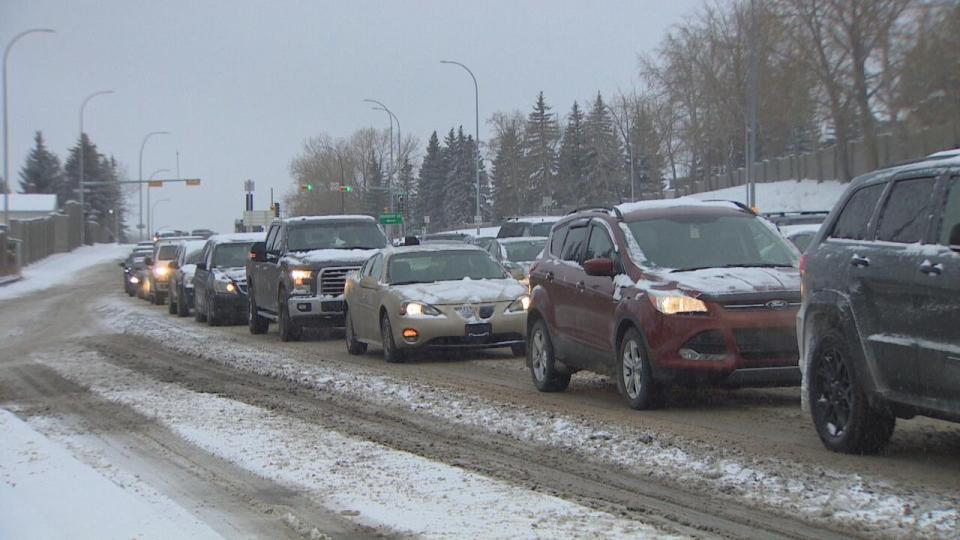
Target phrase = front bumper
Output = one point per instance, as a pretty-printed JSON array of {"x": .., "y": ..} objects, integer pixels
[
  {"x": 450, "y": 331},
  {"x": 316, "y": 310},
  {"x": 230, "y": 305}
]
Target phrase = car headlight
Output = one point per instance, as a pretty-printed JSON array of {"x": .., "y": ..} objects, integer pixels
[
  {"x": 417, "y": 309},
  {"x": 672, "y": 304},
  {"x": 134, "y": 280},
  {"x": 161, "y": 271},
  {"x": 519, "y": 305},
  {"x": 302, "y": 281},
  {"x": 228, "y": 287}
]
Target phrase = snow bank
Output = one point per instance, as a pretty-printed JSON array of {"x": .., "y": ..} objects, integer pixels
[
  {"x": 785, "y": 196},
  {"x": 63, "y": 267},
  {"x": 45, "y": 492}
]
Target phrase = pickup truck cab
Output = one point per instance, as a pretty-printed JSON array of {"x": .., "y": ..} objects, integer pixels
[{"x": 296, "y": 277}]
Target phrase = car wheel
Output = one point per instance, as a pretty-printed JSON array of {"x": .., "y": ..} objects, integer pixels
[
  {"x": 353, "y": 346},
  {"x": 519, "y": 349},
  {"x": 183, "y": 310},
  {"x": 289, "y": 330},
  {"x": 256, "y": 323},
  {"x": 391, "y": 353},
  {"x": 634, "y": 376},
  {"x": 171, "y": 305},
  {"x": 542, "y": 361},
  {"x": 199, "y": 314},
  {"x": 842, "y": 415},
  {"x": 211, "y": 307}
]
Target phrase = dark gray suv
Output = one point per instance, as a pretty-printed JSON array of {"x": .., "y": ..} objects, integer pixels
[{"x": 879, "y": 328}]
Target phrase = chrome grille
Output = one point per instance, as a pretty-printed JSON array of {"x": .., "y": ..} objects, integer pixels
[{"x": 332, "y": 280}]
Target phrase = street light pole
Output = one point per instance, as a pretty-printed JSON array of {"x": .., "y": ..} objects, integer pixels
[
  {"x": 154, "y": 173},
  {"x": 476, "y": 97},
  {"x": 140, "y": 176},
  {"x": 629, "y": 140},
  {"x": 393, "y": 163},
  {"x": 6, "y": 123},
  {"x": 83, "y": 208}
]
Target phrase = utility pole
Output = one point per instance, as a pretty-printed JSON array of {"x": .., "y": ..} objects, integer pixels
[{"x": 751, "y": 142}]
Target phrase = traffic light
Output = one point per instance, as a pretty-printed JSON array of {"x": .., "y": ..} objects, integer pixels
[
  {"x": 276, "y": 209},
  {"x": 346, "y": 189},
  {"x": 304, "y": 188}
]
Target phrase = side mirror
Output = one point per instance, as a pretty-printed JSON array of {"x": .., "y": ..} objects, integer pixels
[
  {"x": 201, "y": 266},
  {"x": 368, "y": 282},
  {"x": 174, "y": 265},
  {"x": 954, "y": 240},
  {"x": 599, "y": 267},
  {"x": 148, "y": 261},
  {"x": 258, "y": 252}
]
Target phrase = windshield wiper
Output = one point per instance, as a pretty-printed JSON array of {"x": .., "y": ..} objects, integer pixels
[{"x": 754, "y": 265}]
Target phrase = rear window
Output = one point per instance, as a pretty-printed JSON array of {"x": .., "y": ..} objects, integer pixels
[
  {"x": 951, "y": 212},
  {"x": 511, "y": 229},
  {"x": 573, "y": 244},
  {"x": 854, "y": 218},
  {"x": 905, "y": 214}
]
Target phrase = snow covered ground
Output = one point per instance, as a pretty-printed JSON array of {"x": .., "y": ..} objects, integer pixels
[
  {"x": 45, "y": 491},
  {"x": 62, "y": 267},
  {"x": 785, "y": 196}
]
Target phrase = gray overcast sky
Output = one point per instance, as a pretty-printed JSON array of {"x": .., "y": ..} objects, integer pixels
[{"x": 240, "y": 85}]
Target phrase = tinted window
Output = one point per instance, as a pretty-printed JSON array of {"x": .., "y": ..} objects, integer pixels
[
  {"x": 431, "y": 266},
  {"x": 556, "y": 241},
  {"x": 951, "y": 212},
  {"x": 852, "y": 223},
  {"x": 905, "y": 214},
  {"x": 510, "y": 229},
  {"x": 194, "y": 256},
  {"x": 600, "y": 245},
  {"x": 573, "y": 244},
  {"x": 231, "y": 255}
]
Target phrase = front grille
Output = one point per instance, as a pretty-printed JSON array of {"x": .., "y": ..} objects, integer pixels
[
  {"x": 332, "y": 280},
  {"x": 759, "y": 301},
  {"x": 767, "y": 343}
]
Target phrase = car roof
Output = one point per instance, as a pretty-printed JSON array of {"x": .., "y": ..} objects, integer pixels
[
  {"x": 933, "y": 163},
  {"x": 515, "y": 239},
  {"x": 230, "y": 238},
  {"x": 534, "y": 219},
  {"x": 427, "y": 248},
  {"x": 337, "y": 217}
]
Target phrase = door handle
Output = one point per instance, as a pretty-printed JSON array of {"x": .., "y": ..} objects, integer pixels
[
  {"x": 931, "y": 269},
  {"x": 580, "y": 286},
  {"x": 550, "y": 276},
  {"x": 860, "y": 262}
]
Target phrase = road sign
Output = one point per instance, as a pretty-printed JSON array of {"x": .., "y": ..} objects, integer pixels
[
  {"x": 391, "y": 219},
  {"x": 155, "y": 183},
  {"x": 426, "y": 219},
  {"x": 247, "y": 185},
  {"x": 258, "y": 218},
  {"x": 195, "y": 182}
]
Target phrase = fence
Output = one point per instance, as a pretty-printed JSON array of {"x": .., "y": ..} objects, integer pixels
[
  {"x": 41, "y": 237},
  {"x": 825, "y": 164}
]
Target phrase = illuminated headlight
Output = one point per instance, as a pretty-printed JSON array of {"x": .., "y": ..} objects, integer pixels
[
  {"x": 519, "y": 305},
  {"x": 301, "y": 281},
  {"x": 228, "y": 287},
  {"x": 416, "y": 309},
  {"x": 161, "y": 271},
  {"x": 675, "y": 304},
  {"x": 134, "y": 280}
]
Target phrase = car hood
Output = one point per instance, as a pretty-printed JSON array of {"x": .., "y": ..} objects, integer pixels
[
  {"x": 188, "y": 270},
  {"x": 726, "y": 281},
  {"x": 322, "y": 258},
  {"x": 238, "y": 273},
  {"x": 466, "y": 291}
]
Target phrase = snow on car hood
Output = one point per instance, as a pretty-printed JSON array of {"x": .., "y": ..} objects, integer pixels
[
  {"x": 462, "y": 292},
  {"x": 321, "y": 256},
  {"x": 719, "y": 281},
  {"x": 187, "y": 271},
  {"x": 238, "y": 274}
]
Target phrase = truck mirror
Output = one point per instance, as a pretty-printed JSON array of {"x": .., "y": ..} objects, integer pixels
[{"x": 258, "y": 252}]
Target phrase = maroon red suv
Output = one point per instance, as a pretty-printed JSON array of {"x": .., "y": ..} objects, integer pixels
[{"x": 662, "y": 292}]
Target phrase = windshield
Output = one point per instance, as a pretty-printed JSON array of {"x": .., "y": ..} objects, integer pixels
[
  {"x": 167, "y": 253},
  {"x": 709, "y": 242},
  {"x": 431, "y": 266},
  {"x": 541, "y": 229},
  {"x": 524, "y": 251},
  {"x": 194, "y": 256},
  {"x": 231, "y": 255},
  {"x": 335, "y": 235}
]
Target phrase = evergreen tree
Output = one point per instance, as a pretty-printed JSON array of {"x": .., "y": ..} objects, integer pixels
[
  {"x": 605, "y": 180},
  {"x": 509, "y": 179},
  {"x": 42, "y": 172},
  {"x": 430, "y": 183},
  {"x": 375, "y": 195},
  {"x": 573, "y": 161},
  {"x": 646, "y": 152},
  {"x": 459, "y": 195},
  {"x": 100, "y": 200},
  {"x": 408, "y": 187},
  {"x": 541, "y": 135}
]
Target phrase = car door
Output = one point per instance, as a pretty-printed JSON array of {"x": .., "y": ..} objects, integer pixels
[
  {"x": 201, "y": 277},
  {"x": 272, "y": 269},
  {"x": 368, "y": 318},
  {"x": 886, "y": 275},
  {"x": 596, "y": 305},
  {"x": 937, "y": 292},
  {"x": 261, "y": 288},
  {"x": 566, "y": 295}
]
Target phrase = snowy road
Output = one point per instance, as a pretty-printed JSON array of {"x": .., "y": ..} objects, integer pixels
[{"x": 247, "y": 436}]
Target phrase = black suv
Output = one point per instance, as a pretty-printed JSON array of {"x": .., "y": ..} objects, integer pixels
[{"x": 879, "y": 328}]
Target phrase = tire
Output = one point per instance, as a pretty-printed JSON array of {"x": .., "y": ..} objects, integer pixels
[
  {"x": 183, "y": 310},
  {"x": 542, "y": 361},
  {"x": 289, "y": 331},
  {"x": 171, "y": 305},
  {"x": 519, "y": 349},
  {"x": 198, "y": 314},
  {"x": 842, "y": 415},
  {"x": 158, "y": 299},
  {"x": 634, "y": 376},
  {"x": 211, "y": 308},
  {"x": 131, "y": 292},
  {"x": 391, "y": 353},
  {"x": 256, "y": 323},
  {"x": 354, "y": 347}
]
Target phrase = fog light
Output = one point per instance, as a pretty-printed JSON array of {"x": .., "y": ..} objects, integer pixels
[
  {"x": 690, "y": 354},
  {"x": 304, "y": 306},
  {"x": 410, "y": 334}
]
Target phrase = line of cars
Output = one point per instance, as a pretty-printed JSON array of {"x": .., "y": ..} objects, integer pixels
[{"x": 652, "y": 294}]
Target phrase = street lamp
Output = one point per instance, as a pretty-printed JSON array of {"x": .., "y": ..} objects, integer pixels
[
  {"x": 393, "y": 163},
  {"x": 476, "y": 97},
  {"x": 628, "y": 139},
  {"x": 154, "y": 173},
  {"x": 83, "y": 208},
  {"x": 6, "y": 122},
  {"x": 140, "y": 178}
]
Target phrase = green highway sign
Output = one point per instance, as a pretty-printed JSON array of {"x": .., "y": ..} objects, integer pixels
[{"x": 391, "y": 219}]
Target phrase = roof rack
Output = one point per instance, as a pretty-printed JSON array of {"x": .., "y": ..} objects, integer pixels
[
  {"x": 784, "y": 213},
  {"x": 609, "y": 209},
  {"x": 738, "y": 204}
]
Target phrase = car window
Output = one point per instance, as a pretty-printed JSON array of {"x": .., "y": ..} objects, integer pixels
[
  {"x": 376, "y": 266},
  {"x": 231, "y": 255},
  {"x": 906, "y": 211},
  {"x": 271, "y": 243},
  {"x": 541, "y": 229},
  {"x": 573, "y": 244},
  {"x": 193, "y": 257},
  {"x": 951, "y": 212},
  {"x": 524, "y": 251},
  {"x": 600, "y": 244},
  {"x": 313, "y": 235},
  {"x": 431, "y": 266},
  {"x": 556, "y": 241},
  {"x": 854, "y": 218}
]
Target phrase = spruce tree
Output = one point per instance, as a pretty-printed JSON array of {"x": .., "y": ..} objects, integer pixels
[
  {"x": 605, "y": 179},
  {"x": 432, "y": 175},
  {"x": 42, "y": 172},
  {"x": 646, "y": 152},
  {"x": 509, "y": 178},
  {"x": 541, "y": 135},
  {"x": 573, "y": 161},
  {"x": 458, "y": 188},
  {"x": 375, "y": 196}
]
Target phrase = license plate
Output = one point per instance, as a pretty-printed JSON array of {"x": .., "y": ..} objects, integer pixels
[{"x": 478, "y": 331}]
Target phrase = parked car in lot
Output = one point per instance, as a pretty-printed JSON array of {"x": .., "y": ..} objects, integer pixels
[
  {"x": 220, "y": 278},
  {"x": 665, "y": 292},
  {"x": 181, "y": 282},
  {"x": 433, "y": 297},
  {"x": 527, "y": 226},
  {"x": 517, "y": 254},
  {"x": 880, "y": 322},
  {"x": 297, "y": 275}
]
